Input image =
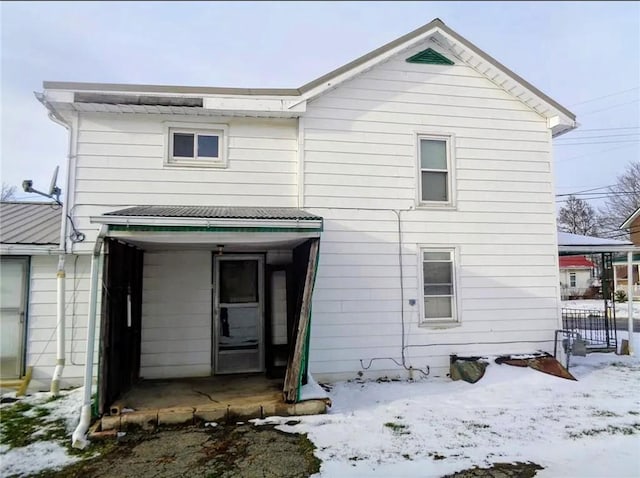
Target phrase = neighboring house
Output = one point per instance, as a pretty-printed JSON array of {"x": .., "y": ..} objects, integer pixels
[
  {"x": 576, "y": 276},
  {"x": 632, "y": 223},
  {"x": 29, "y": 246},
  {"x": 422, "y": 169}
]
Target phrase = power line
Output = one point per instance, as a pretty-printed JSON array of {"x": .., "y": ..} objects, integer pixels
[
  {"x": 605, "y": 96},
  {"x": 601, "y": 142},
  {"x": 599, "y": 136},
  {"x": 610, "y": 107},
  {"x": 585, "y": 191},
  {"x": 580, "y": 130},
  {"x": 593, "y": 152}
]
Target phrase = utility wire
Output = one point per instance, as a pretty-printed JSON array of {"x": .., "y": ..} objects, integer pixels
[
  {"x": 601, "y": 142},
  {"x": 604, "y": 96},
  {"x": 580, "y": 130},
  {"x": 593, "y": 152},
  {"x": 610, "y": 107},
  {"x": 598, "y": 136},
  {"x": 585, "y": 191}
]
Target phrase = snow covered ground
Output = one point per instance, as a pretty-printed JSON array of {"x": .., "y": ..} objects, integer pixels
[
  {"x": 430, "y": 428},
  {"x": 43, "y": 453},
  {"x": 622, "y": 308},
  {"x": 433, "y": 427}
]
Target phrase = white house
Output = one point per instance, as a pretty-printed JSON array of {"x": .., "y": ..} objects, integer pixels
[
  {"x": 577, "y": 275},
  {"x": 400, "y": 193}
]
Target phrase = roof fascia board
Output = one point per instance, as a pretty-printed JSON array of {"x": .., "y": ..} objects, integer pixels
[
  {"x": 566, "y": 119},
  {"x": 627, "y": 223},
  {"x": 598, "y": 249},
  {"x": 496, "y": 64},
  {"x": 205, "y": 222},
  {"x": 28, "y": 250},
  {"x": 166, "y": 89}
]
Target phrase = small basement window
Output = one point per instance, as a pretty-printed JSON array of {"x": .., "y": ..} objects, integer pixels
[{"x": 196, "y": 147}]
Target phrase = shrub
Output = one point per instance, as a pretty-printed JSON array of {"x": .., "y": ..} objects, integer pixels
[{"x": 620, "y": 296}]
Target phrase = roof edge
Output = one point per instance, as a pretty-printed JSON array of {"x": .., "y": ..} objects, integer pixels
[
  {"x": 306, "y": 88},
  {"x": 509, "y": 72},
  {"x": 175, "y": 89},
  {"x": 627, "y": 222},
  {"x": 372, "y": 54}
]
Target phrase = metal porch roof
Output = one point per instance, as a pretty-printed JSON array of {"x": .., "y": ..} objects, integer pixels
[
  {"x": 30, "y": 223},
  {"x": 216, "y": 212}
]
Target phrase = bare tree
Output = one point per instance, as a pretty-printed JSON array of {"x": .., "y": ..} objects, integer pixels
[
  {"x": 623, "y": 198},
  {"x": 8, "y": 192},
  {"x": 578, "y": 217}
]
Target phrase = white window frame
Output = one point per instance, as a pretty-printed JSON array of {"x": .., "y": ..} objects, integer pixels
[
  {"x": 454, "y": 258},
  {"x": 205, "y": 129},
  {"x": 573, "y": 279},
  {"x": 449, "y": 140}
]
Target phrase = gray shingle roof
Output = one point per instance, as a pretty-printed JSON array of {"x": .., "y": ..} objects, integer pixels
[
  {"x": 217, "y": 212},
  {"x": 30, "y": 223}
]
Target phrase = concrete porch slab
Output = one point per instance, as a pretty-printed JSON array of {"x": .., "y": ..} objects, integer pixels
[{"x": 225, "y": 399}]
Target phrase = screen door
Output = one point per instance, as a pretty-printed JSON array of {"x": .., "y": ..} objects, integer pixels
[{"x": 238, "y": 314}]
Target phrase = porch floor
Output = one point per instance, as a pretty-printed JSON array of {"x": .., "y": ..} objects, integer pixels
[{"x": 227, "y": 399}]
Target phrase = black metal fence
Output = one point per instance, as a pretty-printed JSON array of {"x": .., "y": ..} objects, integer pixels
[{"x": 596, "y": 327}]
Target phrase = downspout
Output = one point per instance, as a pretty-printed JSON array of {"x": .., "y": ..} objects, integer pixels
[
  {"x": 630, "y": 299},
  {"x": 78, "y": 439},
  {"x": 61, "y": 323},
  {"x": 60, "y": 273}
]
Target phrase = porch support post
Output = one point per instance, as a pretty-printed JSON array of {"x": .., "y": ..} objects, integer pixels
[
  {"x": 78, "y": 438},
  {"x": 630, "y": 299}
]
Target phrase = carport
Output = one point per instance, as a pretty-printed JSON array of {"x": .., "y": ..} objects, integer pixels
[{"x": 575, "y": 244}]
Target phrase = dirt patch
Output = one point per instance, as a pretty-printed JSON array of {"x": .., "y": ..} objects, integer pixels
[
  {"x": 242, "y": 451},
  {"x": 499, "y": 470}
]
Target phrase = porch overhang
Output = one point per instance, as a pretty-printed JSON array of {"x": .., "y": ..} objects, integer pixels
[
  {"x": 210, "y": 225},
  {"x": 572, "y": 244}
]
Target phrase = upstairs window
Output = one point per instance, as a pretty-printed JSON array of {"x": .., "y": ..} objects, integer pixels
[
  {"x": 435, "y": 170},
  {"x": 196, "y": 147}
]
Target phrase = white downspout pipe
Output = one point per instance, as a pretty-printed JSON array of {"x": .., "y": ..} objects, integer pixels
[
  {"x": 630, "y": 299},
  {"x": 60, "y": 273},
  {"x": 78, "y": 439},
  {"x": 61, "y": 323}
]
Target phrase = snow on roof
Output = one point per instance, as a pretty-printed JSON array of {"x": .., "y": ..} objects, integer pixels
[
  {"x": 568, "y": 239},
  {"x": 576, "y": 262}
]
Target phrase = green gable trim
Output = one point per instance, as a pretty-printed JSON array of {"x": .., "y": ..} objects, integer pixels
[
  {"x": 148, "y": 228},
  {"x": 429, "y": 57}
]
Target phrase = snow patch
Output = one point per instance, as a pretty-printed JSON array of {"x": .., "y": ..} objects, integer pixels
[{"x": 34, "y": 458}]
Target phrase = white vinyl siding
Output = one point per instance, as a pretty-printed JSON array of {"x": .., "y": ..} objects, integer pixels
[
  {"x": 121, "y": 162},
  {"x": 360, "y": 154},
  {"x": 176, "y": 314},
  {"x": 42, "y": 320}
]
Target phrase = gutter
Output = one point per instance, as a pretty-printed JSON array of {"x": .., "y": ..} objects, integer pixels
[{"x": 78, "y": 439}]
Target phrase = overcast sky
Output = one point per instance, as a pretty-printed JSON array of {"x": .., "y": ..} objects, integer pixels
[{"x": 585, "y": 55}]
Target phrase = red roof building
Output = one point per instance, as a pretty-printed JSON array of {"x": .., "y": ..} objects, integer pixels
[{"x": 578, "y": 262}]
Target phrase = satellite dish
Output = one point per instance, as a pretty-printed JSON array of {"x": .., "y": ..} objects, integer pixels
[
  {"x": 53, "y": 189},
  {"x": 54, "y": 179}
]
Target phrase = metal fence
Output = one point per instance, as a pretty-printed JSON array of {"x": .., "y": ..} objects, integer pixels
[{"x": 596, "y": 327}]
